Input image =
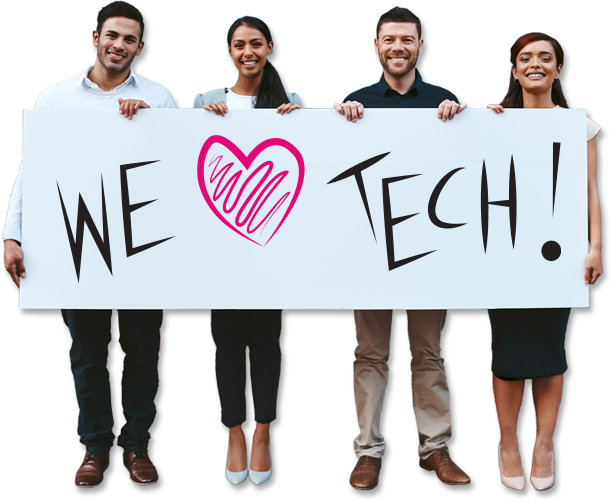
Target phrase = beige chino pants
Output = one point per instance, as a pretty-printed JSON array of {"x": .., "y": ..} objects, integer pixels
[{"x": 431, "y": 398}]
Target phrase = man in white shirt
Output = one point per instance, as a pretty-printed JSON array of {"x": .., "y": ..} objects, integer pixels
[{"x": 109, "y": 83}]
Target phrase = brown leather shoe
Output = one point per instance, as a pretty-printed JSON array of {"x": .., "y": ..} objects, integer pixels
[
  {"x": 91, "y": 471},
  {"x": 446, "y": 469},
  {"x": 366, "y": 472},
  {"x": 141, "y": 470}
]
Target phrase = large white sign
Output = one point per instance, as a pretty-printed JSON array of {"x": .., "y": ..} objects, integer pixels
[{"x": 184, "y": 209}]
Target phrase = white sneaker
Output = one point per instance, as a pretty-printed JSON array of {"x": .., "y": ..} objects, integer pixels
[
  {"x": 235, "y": 477},
  {"x": 544, "y": 483},
  {"x": 258, "y": 477},
  {"x": 516, "y": 483}
]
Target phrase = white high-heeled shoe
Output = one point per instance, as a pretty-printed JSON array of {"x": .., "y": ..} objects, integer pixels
[
  {"x": 258, "y": 477},
  {"x": 516, "y": 483},
  {"x": 235, "y": 477},
  {"x": 542, "y": 484}
]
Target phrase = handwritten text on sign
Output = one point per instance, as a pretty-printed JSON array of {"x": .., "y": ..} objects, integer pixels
[{"x": 256, "y": 210}]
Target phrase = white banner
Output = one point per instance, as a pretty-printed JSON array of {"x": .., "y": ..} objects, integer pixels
[{"x": 257, "y": 210}]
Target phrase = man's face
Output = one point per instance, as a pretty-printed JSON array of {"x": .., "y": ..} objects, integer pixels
[
  {"x": 118, "y": 43},
  {"x": 398, "y": 46}
]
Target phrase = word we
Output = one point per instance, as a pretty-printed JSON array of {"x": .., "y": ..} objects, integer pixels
[{"x": 83, "y": 217}]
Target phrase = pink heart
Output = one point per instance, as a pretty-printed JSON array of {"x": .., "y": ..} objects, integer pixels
[{"x": 248, "y": 201}]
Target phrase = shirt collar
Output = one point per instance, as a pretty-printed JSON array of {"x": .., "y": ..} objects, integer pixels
[
  {"x": 84, "y": 80},
  {"x": 383, "y": 86}
]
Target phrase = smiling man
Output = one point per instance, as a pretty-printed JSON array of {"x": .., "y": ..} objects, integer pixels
[
  {"x": 109, "y": 83},
  {"x": 399, "y": 43}
]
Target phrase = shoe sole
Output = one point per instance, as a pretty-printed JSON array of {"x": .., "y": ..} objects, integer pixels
[
  {"x": 144, "y": 485},
  {"x": 363, "y": 488}
]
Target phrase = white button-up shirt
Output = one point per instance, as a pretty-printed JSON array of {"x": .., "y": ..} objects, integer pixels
[{"x": 81, "y": 93}]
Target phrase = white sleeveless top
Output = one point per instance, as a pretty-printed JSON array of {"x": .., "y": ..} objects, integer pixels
[{"x": 593, "y": 127}]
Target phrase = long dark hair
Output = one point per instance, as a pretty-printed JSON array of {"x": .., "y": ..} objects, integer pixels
[
  {"x": 514, "y": 98},
  {"x": 270, "y": 92}
]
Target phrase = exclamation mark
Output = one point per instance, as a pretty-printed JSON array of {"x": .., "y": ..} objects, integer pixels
[{"x": 551, "y": 250}]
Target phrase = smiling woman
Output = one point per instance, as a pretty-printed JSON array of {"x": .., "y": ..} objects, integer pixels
[
  {"x": 259, "y": 86},
  {"x": 250, "y": 43},
  {"x": 536, "y": 66},
  {"x": 529, "y": 343}
]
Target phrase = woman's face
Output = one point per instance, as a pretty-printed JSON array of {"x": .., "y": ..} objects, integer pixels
[
  {"x": 536, "y": 67},
  {"x": 249, "y": 51}
]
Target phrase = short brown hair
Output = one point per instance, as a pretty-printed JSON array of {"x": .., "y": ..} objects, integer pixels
[
  {"x": 120, "y": 9},
  {"x": 399, "y": 15}
]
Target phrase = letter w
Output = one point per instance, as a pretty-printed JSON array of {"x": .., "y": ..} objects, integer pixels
[{"x": 84, "y": 217}]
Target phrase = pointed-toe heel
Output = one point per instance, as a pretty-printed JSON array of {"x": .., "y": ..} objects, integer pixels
[
  {"x": 516, "y": 483},
  {"x": 235, "y": 477},
  {"x": 542, "y": 484},
  {"x": 259, "y": 477}
]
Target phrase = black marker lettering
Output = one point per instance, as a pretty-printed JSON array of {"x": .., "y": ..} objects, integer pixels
[
  {"x": 356, "y": 171},
  {"x": 389, "y": 222},
  {"x": 84, "y": 217},
  {"x": 435, "y": 197},
  {"x": 511, "y": 203},
  {"x": 128, "y": 209}
]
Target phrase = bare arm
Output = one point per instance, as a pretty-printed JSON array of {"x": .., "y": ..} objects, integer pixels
[{"x": 593, "y": 265}]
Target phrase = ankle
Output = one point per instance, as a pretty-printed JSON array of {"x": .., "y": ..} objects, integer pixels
[
  {"x": 544, "y": 446},
  {"x": 510, "y": 443},
  {"x": 236, "y": 435},
  {"x": 261, "y": 435}
]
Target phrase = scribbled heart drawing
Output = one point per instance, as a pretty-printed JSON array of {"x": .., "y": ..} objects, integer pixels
[{"x": 248, "y": 193}]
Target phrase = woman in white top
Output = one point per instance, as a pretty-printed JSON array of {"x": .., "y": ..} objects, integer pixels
[
  {"x": 258, "y": 86},
  {"x": 529, "y": 343}
]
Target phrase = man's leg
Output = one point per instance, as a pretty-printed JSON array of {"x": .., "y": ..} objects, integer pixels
[
  {"x": 90, "y": 331},
  {"x": 431, "y": 397},
  {"x": 370, "y": 379},
  {"x": 139, "y": 338}
]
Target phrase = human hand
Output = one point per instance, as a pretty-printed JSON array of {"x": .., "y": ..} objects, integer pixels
[
  {"x": 219, "y": 108},
  {"x": 129, "y": 107},
  {"x": 13, "y": 260},
  {"x": 594, "y": 266},
  {"x": 353, "y": 110},
  {"x": 287, "y": 108},
  {"x": 448, "y": 109},
  {"x": 497, "y": 108}
]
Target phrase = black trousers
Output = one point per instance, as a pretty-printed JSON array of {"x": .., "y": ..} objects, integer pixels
[
  {"x": 139, "y": 339},
  {"x": 233, "y": 331}
]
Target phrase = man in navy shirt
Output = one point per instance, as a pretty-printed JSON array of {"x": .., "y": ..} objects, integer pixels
[{"x": 398, "y": 44}]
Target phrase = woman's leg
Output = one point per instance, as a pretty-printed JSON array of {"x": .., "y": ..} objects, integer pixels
[
  {"x": 259, "y": 457},
  {"x": 229, "y": 331},
  {"x": 236, "y": 455},
  {"x": 547, "y": 392},
  {"x": 264, "y": 346},
  {"x": 508, "y": 397}
]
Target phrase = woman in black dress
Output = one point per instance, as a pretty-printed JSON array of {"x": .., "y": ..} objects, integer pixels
[{"x": 529, "y": 343}]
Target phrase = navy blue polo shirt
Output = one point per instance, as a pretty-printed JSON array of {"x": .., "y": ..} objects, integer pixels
[{"x": 420, "y": 95}]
